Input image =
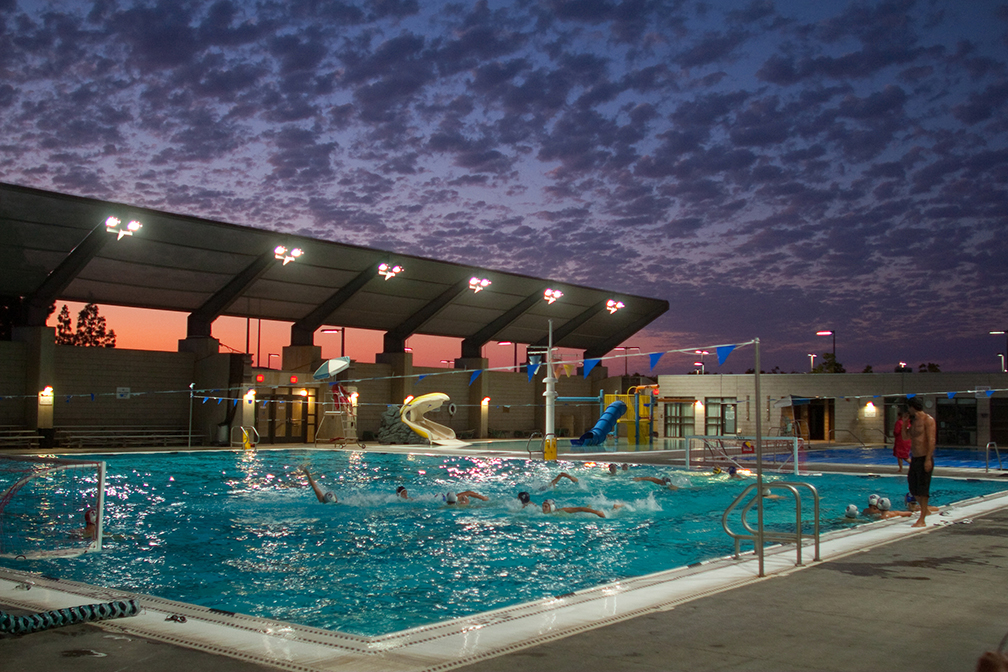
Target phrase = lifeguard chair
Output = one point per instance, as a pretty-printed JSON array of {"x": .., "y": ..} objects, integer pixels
[{"x": 340, "y": 411}]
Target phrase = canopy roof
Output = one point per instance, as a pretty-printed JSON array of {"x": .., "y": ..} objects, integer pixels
[{"x": 57, "y": 248}]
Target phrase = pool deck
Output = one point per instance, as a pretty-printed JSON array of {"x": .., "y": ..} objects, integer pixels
[{"x": 884, "y": 597}]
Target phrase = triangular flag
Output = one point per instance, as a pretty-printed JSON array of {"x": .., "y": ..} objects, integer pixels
[
  {"x": 723, "y": 352},
  {"x": 206, "y": 399},
  {"x": 590, "y": 364},
  {"x": 422, "y": 377},
  {"x": 989, "y": 392},
  {"x": 557, "y": 370},
  {"x": 68, "y": 398},
  {"x": 219, "y": 399},
  {"x": 911, "y": 396},
  {"x": 950, "y": 395},
  {"x": 234, "y": 403},
  {"x": 92, "y": 396},
  {"x": 569, "y": 369},
  {"x": 475, "y": 375},
  {"x": 655, "y": 356},
  {"x": 533, "y": 366}
]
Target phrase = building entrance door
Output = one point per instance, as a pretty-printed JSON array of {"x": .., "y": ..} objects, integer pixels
[
  {"x": 286, "y": 417},
  {"x": 999, "y": 420}
]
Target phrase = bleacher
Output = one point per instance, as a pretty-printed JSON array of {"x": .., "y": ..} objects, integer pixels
[
  {"x": 14, "y": 436},
  {"x": 122, "y": 436}
]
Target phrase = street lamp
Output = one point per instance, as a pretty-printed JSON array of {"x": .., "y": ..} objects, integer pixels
[
  {"x": 342, "y": 331},
  {"x": 701, "y": 365},
  {"x": 999, "y": 333},
  {"x": 446, "y": 361},
  {"x": 1003, "y": 370},
  {"x": 626, "y": 356},
  {"x": 811, "y": 358},
  {"x": 830, "y": 332}
]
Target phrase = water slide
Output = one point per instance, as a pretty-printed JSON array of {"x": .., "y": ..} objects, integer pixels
[
  {"x": 413, "y": 411},
  {"x": 601, "y": 430}
]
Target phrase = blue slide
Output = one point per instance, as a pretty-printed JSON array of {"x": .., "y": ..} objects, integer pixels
[{"x": 601, "y": 430}]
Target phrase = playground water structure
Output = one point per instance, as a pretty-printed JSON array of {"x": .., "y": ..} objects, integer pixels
[
  {"x": 413, "y": 414},
  {"x": 238, "y": 532}
]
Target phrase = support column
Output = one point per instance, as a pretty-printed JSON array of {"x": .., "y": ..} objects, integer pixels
[
  {"x": 40, "y": 372},
  {"x": 477, "y": 391},
  {"x": 402, "y": 372},
  {"x": 301, "y": 358},
  {"x": 210, "y": 372}
]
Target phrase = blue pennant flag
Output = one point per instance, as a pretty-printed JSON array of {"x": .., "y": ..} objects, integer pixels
[
  {"x": 911, "y": 396},
  {"x": 989, "y": 392},
  {"x": 422, "y": 376},
  {"x": 475, "y": 375},
  {"x": 723, "y": 352},
  {"x": 92, "y": 396},
  {"x": 590, "y": 364},
  {"x": 206, "y": 399},
  {"x": 234, "y": 403},
  {"x": 219, "y": 399},
  {"x": 950, "y": 395},
  {"x": 533, "y": 366},
  {"x": 68, "y": 398},
  {"x": 655, "y": 356}
]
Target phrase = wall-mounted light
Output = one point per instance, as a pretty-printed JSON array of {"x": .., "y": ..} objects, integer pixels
[
  {"x": 612, "y": 306},
  {"x": 293, "y": 380},
  {"x": 389, "y": 271},
  {"x": 114, "y": 225},
  {"x": 303, "y": 393},
  {"x": 485, "y": 401},
  {"x": 282, "y": 253},
  {"x": 250, "y": 396},
  {"x": 552, "y": 295},
  {"x": 869, "y": 410},
  {"x": 260, "y": 378},
  {"x": 478, "y": 284}
]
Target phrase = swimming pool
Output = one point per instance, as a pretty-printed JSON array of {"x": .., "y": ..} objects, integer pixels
[
  {"x": 238, "y": 531},
  {"x": 957, "y": 458}
]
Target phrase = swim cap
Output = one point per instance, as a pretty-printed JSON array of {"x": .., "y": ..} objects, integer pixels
[
  {"x": 91, "y": 516},
  {"x": 450, "y": 497},
  {"x": 549, "y": 505},
  {"x": 732, "y": 471},
  {"x": 329, "y": 497},
  {"x": 851, "y": 511},
  {"x": 399, "y": 489},
  {"x": 910, "y": 499},
  {"x": 523, "y": 497},
  {"x": 884, "y": 504},
  {"x": 666, "y": 480},
  {"x": 717, "y": 470},
  {"x": 612, "y": 468},
  {"x": 766, "y": 492},
  {"x": 873, "y": 500}
]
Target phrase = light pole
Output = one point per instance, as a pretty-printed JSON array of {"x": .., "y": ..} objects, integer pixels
[
  {"x": 446, "y": 361},
  {"x": 342, "y": 332},
  {"x": 830, "y": 332},
  {"x": 626, "y": 356},
  {"x": 1003, "y": 370},
  {"x": 999, "y": 333},
  {"x": 811, "y": 359},
  {"x": 701, "y": 365}
]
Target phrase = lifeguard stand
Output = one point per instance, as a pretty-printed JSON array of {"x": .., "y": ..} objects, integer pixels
[
  {"x": 636, "y": 424},
  {"x": 340, "y": 412}
]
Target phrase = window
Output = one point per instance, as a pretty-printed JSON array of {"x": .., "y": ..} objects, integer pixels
[
  {"x": 957, "y": 422},
  {"x": 679, "y": 418},
  {"x": 720, "y": 417}
]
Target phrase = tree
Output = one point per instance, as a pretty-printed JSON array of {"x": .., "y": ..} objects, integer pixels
[
  {"x": 902, "y": 369},
  {"x": 91, "y": 329},
  {"x": 930, "y": 367},
  {"x": 829, "y": 364},
  {"x": 868, "y": 369}
]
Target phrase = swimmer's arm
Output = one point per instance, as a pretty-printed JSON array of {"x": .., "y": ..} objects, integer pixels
[
  {"x": 563, "y": 474},
  {"x": 314, "y": 485},
  {"x": 470, "y": 493},
  {"x": 649, "y": 479},
  {"x": 582, "y": 509}
]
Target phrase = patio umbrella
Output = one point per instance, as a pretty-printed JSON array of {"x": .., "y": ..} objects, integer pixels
[{"x": 331, "y": 367}]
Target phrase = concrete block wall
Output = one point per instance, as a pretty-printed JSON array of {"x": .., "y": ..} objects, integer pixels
[
  {"x": 373, "y": 393},
  {"x": 12, "y": 383},
  {"x": 99, "y": 371}
]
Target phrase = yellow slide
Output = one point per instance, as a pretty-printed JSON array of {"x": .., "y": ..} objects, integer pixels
[{"x": 413, "y": 411}]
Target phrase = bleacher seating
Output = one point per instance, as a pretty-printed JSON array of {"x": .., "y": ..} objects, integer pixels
[{"x": 124, "y": 436}]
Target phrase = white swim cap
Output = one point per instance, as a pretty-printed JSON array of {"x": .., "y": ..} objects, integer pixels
[
  {"x": 852, "y": 511},
  {"x": 873, "y": 500},
  {"x": 884, "y": 504},
  {"x": 450, "y": 497}
]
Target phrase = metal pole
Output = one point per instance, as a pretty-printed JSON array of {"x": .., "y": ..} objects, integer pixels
[
  {"x": 191, "y": 386},
  {"x": 759, "y": 462},
  {"x": 259, "y": 343},
  {"x": 100, "y": 523},
  {"x": 551, "y": 395},
  {"x": 342, "y": 343}
]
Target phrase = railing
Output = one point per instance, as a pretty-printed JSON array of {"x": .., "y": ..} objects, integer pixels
[
  {"x": 249, "y": 436},
  {"x": 782, "y": 537},
  {"x": 885, "y": 439},
  {"x": 991, "y": 444},
  {"x": 542, "y": 444},
  {"x": 856, "y": 437}
]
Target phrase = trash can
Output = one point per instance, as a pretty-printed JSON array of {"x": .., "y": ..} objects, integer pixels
[{"x": 222, "y": 434}]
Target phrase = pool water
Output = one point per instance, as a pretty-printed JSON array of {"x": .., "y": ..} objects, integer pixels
[
  {"x": 958, "y": 458},
  {"x": 241, "y": 531}
]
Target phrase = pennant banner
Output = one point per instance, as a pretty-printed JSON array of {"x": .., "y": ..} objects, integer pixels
[
  {"x": 950, "y": 395},
  {"x": 422, "y": 376},
  {"x": 989, "y": 392},
  {"x": 533, "y": 366},
  {"x": 655, "y": 356},
  {"x": 723, "y": 352},
  {"x": 475, "y": 375},
  {"x": 590, "y": 364},
  {"x": 911, "y": 396},
  {"x": 569, "y": 369}
]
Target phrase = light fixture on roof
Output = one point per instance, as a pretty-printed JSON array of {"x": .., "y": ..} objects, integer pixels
[
  {"x": 478, "y": 284},
  {"x": 389, "y": 271},
  {"x": 612, "y": 305},
  {"x": 114, "y": 225},
  {"x": 552, "y": 295},
  {"x": 282, "y": 253}
]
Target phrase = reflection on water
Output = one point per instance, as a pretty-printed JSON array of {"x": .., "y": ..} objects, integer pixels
[{"x": 241, "y": 531}]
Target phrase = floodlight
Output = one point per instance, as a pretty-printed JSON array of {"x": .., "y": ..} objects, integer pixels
[
  {"x": 389, "y": 271},
  {"x": 280, "y": 252},
  {"x": 612, "y": 306},
  {"x": 552, "y": 295},
  {"x": 478, "y": 284},
  {"x": 114, "y": 225}
]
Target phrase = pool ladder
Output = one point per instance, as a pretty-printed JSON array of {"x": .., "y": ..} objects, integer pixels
[
  {"x": 751, "y": 533},
  {"x": 542, "y": 443},
  {"x": 991, "y": 444}
]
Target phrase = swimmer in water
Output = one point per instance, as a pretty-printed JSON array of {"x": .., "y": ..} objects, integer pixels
[
  {"x": 401, "y": 492},
  {"x": 462, "y": 498},
  {"x": 665, "y": 482},
  {"x": 550, "y": 506},
  {"x": 326, "y": 497},
  {"x": 552, "y": 484},
  {"x": 613, "y": 469}
]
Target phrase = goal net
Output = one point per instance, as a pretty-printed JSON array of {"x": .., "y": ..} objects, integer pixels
[{"x": 50, "y": 506}]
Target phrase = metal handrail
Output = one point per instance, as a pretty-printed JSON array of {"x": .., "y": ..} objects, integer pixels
[
  {"x": 529, "y": 442},
  {"x": 856, "y": 437},
  {"x": 783, "y": 537},
  {"x": 991, "y": 444},
  {"x": 245, "y": 434}
]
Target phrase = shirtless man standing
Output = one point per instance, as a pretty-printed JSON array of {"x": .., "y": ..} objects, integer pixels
[{"x": 920, "y": 432}]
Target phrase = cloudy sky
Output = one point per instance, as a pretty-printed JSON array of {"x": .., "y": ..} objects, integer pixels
[{"x": 770, "y": 167}]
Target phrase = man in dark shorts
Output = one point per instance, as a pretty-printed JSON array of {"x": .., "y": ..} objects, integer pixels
[{"x": 920, "y": 431}]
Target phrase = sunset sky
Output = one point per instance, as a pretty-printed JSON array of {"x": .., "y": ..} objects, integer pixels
[{"x": 771, "y": 168}]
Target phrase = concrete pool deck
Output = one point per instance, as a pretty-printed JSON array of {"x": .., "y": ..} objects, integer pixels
[{"x": 855, "y": 610}]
